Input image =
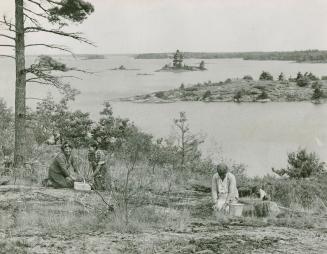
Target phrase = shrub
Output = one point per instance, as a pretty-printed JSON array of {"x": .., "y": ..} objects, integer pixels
[
  {"x": 161, "y": 95},
  {"x": 247, "y": 77},
  {"x": 323, "y": 77},
  {"x": 263, "y": 95},
  {"x": 266, "y": 76},
  {"x": 303, "y": 81},
  {"x": 207, "y": 94},
  {"x": 228, "y": 81},
  {"x": 301, "y": 164},
  {"x": 238, "y": 95}
]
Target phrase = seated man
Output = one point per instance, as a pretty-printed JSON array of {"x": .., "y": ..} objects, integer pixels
[
  {"x": 224, "y": 191},
  {"x": 59, "y": 173}
]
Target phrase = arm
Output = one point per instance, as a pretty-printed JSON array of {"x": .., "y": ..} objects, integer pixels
[
  {"x": 61, "y": 161},
  {"x": 231, "y": 188},
  {"x": 214, "y": 190},
  {"x": 73, "y": 163}
]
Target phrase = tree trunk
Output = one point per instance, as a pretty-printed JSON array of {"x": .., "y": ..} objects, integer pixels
[{"x": 20, "y": 92}]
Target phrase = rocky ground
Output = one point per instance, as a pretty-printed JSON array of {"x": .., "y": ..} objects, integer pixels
[
  {"x": 39, "y": 220},
  {"x": 237, "y": 90}
]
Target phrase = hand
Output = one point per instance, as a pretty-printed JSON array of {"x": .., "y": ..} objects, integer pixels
[{"x": 69, "y": 179}]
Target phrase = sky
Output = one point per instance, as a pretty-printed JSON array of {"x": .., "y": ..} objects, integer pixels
[{"x": 143, "y": 26}]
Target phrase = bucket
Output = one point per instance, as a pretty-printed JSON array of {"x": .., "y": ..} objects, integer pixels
[
  {"x": 236, "y": 209},
  {"x": 82, "y": 186}
]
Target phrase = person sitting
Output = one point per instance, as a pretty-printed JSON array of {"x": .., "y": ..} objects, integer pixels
[
  {"x": 60, "y": 175},
  {"x": 224, "y": 190},
  {"x": 97, "y": 162}
]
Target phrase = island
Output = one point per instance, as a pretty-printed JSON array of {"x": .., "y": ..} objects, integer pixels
[
  {"x": 304, "y": 87},
  {"x": 179, "y": 66},
  {"x": 123, "y": 68}
]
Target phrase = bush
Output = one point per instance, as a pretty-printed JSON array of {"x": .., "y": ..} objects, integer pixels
[
  {"x": 301, "y": 164},
  {"x": 303, "y": 81},
  {"x": 266, "y": 76},
  {"x": 238, "y": 95},
  {"x": 161, "y": 95},
  {"x": 247, "y": 77},
  {"x": 263, "y": 95},
  {"x": 228, "y": 81},
  {"x": 323, "y": 77},
  {"x": 207, "y": 94}
]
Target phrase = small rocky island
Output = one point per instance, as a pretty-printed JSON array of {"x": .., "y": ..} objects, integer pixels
[
  {"x": 305, "y": 87},
  {"x": 123, "y": 68},
  {"x": 179, "y": 66}
]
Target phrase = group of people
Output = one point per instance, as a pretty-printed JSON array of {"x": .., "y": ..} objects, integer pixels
[{"x": 63, "y": 170}]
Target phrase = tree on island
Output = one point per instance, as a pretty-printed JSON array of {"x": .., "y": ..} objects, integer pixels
[
  {"x": 178, "y": 59},
  {"x": 42, "y": 16},
  {"x": 202, "y": 65}
]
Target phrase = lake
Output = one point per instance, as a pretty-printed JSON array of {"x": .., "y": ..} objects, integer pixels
[{"x": 258, "y": 135}]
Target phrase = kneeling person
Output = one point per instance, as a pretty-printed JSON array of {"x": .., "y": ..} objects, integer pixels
[
  {"x": 59, "y": 170},
  {"x": 224, "y": 190}
]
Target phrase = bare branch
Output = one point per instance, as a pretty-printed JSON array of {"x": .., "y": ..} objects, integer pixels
[
  {"x": 76, "y": 36},
  {"x": 33, "y": 20},
  {"x": 9, "y": 56},
  {"x": 54, "y": 2},
  {"x": 7, "y": 36},
  {"x": 39, "y": 5},
  {"x": 53, "y": 46},
  {"x": 35, "y": 13},
  {"x": 4, "y": 21},
  {"x": 33, "y": 98},
  {"x": 7, "y": 45}
]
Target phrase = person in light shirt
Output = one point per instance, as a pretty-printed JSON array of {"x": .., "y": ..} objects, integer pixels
[{"x": 224, "y": 190}]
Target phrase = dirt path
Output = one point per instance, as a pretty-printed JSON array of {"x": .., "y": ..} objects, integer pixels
[{"x": 20, "y": 232}]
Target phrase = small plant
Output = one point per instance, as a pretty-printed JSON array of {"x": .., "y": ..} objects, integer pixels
[
  {"x": 281, "y": 77},
  {"x": 247, "y": 77},
  {"x": 238, "y": 95},
  {"x": 266, "y": 76},
  {"x": 206, "y": 95},
  {"x": 263, "y": 95}
]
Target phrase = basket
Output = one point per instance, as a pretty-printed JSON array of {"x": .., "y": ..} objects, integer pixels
[{"x": 236, "y": 209}]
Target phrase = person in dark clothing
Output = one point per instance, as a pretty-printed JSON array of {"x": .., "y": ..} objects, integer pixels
[{"x": 59, "y": 170}]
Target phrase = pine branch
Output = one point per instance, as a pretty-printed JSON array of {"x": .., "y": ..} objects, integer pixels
[
  {"x": 53, "y": 46},
  {"x": 76, "y": 36}
]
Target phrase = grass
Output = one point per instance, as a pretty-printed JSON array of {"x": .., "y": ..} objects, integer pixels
[{"x": 157, "y": 201}]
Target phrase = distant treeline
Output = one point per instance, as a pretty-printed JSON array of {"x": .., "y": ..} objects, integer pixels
[{"x": 297, "y": 56}]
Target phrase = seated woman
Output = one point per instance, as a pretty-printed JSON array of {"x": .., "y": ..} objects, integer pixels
[{"x": 59, "y": 174}]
